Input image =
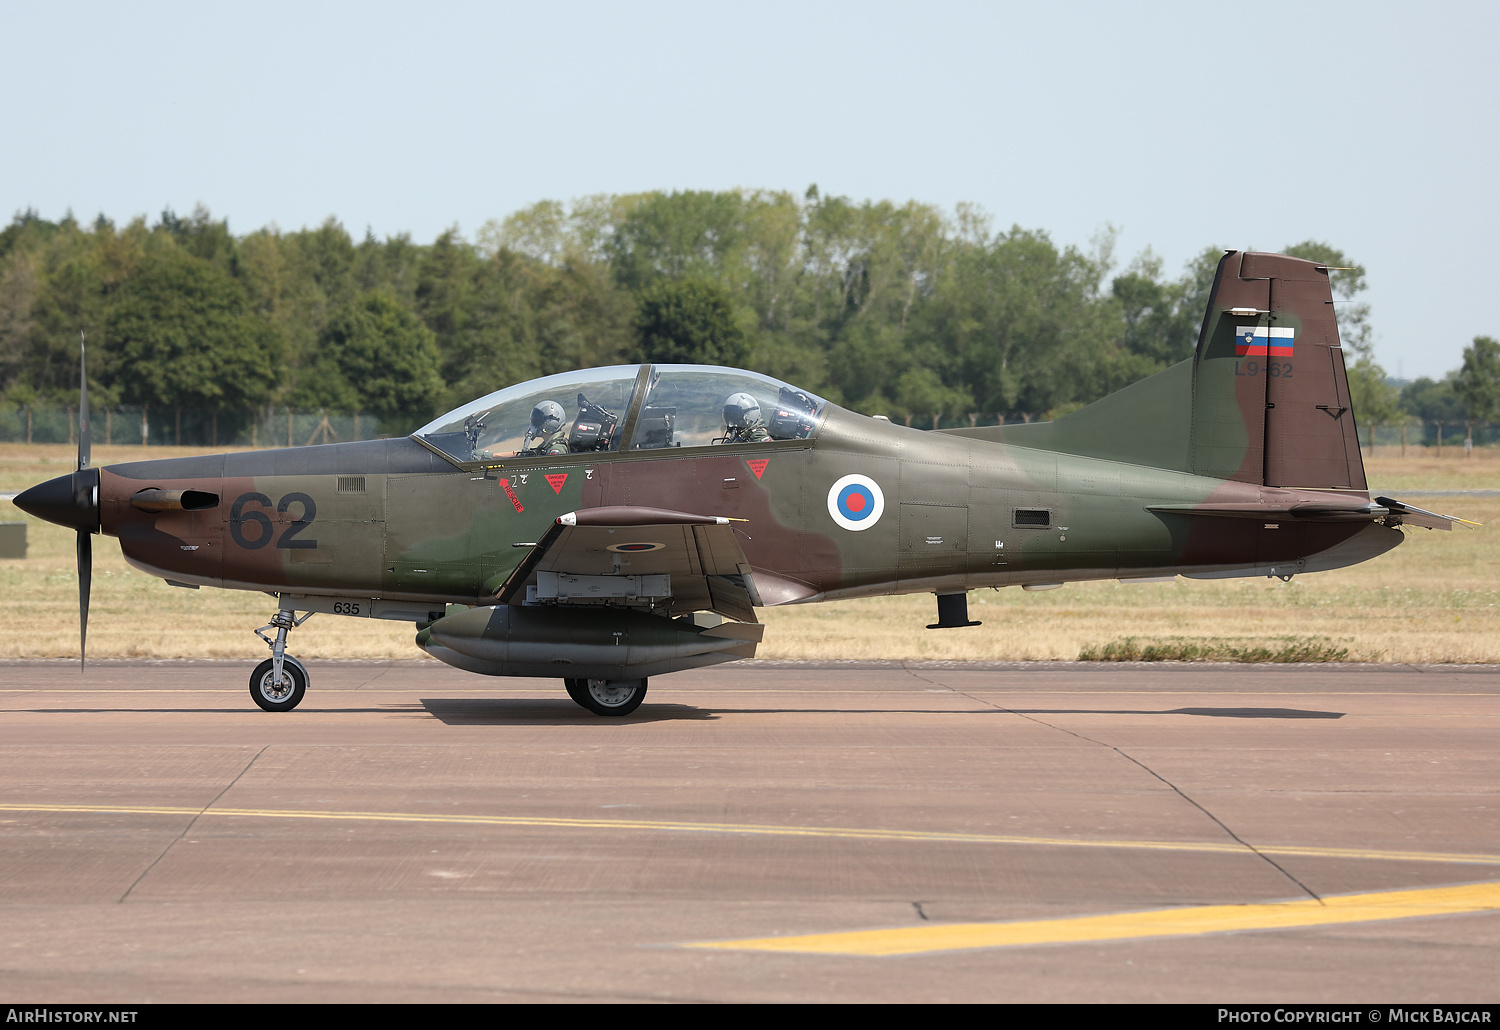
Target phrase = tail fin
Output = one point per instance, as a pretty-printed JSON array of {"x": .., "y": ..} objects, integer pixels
[
  {"x": 1270, "y": 397},
  {"x": 1263, "y": 400}
]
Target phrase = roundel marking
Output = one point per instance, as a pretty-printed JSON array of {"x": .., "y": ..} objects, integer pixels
[
  {"x": 642, "y": 546},
  {"x": 856, "y": 502}
]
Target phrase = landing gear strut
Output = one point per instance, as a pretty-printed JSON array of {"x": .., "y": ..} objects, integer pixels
[
  {"x": 607, "y": 697},
  {"x": 279, "y": 682}
]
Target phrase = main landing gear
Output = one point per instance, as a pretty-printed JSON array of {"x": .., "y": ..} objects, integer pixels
[
  {"x": 278, "y": 683},
  {"x": 607, "y": 697}
]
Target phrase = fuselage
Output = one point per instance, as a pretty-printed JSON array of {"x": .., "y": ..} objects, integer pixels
[{"x": 396, "y": 520}]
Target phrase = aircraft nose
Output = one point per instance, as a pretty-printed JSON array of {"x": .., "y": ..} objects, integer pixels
[{"x": 71, "y": 500}]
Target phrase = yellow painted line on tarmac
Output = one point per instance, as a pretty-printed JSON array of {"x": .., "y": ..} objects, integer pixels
[
  {"x": 1171, "y": 922},
  {"x": 768, "y": 830}
]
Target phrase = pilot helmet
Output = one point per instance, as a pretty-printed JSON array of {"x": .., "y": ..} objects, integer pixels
[
  {"x": 741, "y": 410},
  {"x": 546, "y": 417}
]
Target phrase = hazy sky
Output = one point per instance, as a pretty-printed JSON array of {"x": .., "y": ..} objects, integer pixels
[{"x": 1370, "y": 126}]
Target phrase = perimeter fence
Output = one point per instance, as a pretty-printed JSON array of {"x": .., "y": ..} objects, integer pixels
[
  {"x": 1438, "y": 437},
  {"x": 186, "y": 427}
]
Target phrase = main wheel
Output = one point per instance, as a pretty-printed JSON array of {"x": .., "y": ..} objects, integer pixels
[
  {"x": 607, "y": 697},
  {"x": 283, "y": 696}
]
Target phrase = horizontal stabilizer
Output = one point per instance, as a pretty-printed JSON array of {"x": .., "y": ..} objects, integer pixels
[
  {"x": 1414, "y": 516},
  {"x": 1307, "y": 511},
  {"x": 1383, "y": 509}
]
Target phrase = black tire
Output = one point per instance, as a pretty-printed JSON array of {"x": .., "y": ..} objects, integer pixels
[
  {"x": 293, "y": 685},
  {"x": 607, "y": 697}
]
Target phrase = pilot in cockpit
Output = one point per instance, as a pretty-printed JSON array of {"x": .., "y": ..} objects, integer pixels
[
  {"x": 545, "y": 436},
  {"x": 742, "y": 421}
]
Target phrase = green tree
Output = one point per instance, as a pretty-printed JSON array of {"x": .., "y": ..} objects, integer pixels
[
  {"x": 1026, "y": 324},
  {"x": 919, "y": 391},
  {"x": 525, "y": 318},
  {"x": 693, "y": 234},
  {"x": 1478, "y": 381},
  {"x": 539, "y": 231},
  {"x": 314, "y": 276},
  {"x": 19, "y": 285},
  {"x": 58, "y": 289},
  {"x": 1157, "y": 325},
  {"x": 375, "y": 355},
  {"x": 688, "y": 321},
  {"x": 1375, "y": 399},
  {"x": 1347, "y": 279},
  {"x": 1430, "y": 400},
  {"x": 445, "y": 285},
  {"x": 581, "y": 316},
  {"x": 184, "y": 335},
  {"x": 202, "y": 237}
]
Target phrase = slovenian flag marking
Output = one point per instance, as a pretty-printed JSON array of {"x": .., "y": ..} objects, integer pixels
[{"x": 1264, "y": 341}]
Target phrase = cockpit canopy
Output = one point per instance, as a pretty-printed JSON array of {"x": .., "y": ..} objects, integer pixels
[{"x": 658, "y": 406}]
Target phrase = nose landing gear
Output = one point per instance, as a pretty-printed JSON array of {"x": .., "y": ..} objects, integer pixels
[{"x": 279, "y": 682}]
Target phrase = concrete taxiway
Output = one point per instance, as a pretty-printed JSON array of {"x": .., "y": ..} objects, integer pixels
[{"x": 757, "y": 832}]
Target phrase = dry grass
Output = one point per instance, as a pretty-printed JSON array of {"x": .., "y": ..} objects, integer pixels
[
  {"x": 1181, "y": 649},
  {"x": 1434, "y": 599},
  {"x": 1391, "y": 474}
]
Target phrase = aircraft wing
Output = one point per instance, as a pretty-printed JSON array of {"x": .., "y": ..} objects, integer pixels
[{"x": 636, "y": 556}]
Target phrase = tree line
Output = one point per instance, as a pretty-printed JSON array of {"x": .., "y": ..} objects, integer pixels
[{"x": 895, "y": 309}]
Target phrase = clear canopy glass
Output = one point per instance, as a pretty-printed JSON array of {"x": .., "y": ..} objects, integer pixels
[
  {"x": 593, "y": 402},
  {"x": 588, "y": 410},
  {"x": 704, "y": 405}
]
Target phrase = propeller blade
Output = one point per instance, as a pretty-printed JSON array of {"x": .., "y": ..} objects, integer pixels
[
  {"x": 83, "y": 408},
  {"x": 85, "y": 581},
  {"x": 85, "y": 542}
]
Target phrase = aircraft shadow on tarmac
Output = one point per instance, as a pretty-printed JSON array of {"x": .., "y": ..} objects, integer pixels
[
  {"x": 513, "y": 712},
  {"x": 1217, "y": 713},
  {"x": 520, "y": 712},
  {"x": 539, "y": 712}
]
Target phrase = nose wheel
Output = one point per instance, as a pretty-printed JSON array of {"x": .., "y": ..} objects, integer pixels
[
  {"x": 278, "y": 694},
  {"x": 279, "y": 683},
  {"x": 607, "y": 697}
]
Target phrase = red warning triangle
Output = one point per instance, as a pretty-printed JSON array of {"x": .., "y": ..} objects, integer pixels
[
  {"x": 757, "y": 465},
  {"x": 556, "y": 481}
]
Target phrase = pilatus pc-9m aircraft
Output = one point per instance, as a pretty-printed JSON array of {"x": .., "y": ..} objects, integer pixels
[{"x": 611, "y": 524}]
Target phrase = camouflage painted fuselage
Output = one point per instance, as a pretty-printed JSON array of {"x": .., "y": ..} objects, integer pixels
[{"x": 393, "y": 520}]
